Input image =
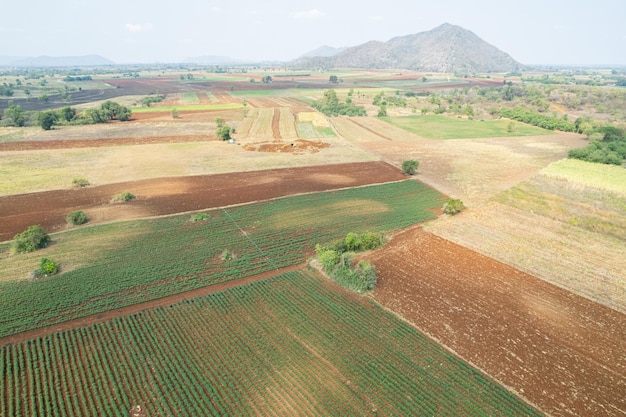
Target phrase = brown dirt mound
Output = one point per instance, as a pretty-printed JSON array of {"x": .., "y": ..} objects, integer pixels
[
  {"x": 163, "y": 196},
  {"x": 298, "y": 146},
  {"x": 562, "y": 352}
]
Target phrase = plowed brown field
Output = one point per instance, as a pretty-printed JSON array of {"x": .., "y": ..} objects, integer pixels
[
  {"x": 163, "y": 196},
  {"x": 560, "y": 351}
]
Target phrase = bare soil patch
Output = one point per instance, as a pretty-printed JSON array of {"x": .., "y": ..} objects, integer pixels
[
  {"x": 298, "y": 146},
  {"x": 562, "y": 352},
  {"x": 164, "y": 196}
]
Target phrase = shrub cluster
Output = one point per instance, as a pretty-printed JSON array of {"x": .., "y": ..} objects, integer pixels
[
  {"x": 336, "y": 261},
  {"x": 80, "y": 182},
  {"x": 453, "y": 206},
  {"x": 610, "y": 148},
  {"x": 76, "y": 218},
  {"x": 30, "y": 240},
  {"x": 410, "y": 167},
  {"x": 331, "y": 106},
  {"x": 537, "y": 119},
  {"x": 46, "y": 268},
  {"x": 125, "y": 196}
]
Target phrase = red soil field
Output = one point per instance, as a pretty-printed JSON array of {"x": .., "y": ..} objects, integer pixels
[
  {"x": 162, "y": 196},
  {"x": 562, "y": 352}
]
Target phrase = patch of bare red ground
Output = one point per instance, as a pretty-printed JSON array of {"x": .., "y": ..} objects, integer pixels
[
  {"x": 162, "y": 196},
  {"x": 562, "y": 352}
]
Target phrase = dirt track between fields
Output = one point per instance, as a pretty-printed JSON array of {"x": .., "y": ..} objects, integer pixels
[
  {"x": 163, "y": 196},
  {"x": 560, "y": 351}
]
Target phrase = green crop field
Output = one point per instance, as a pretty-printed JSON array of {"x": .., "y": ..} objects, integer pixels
[
  {"x": 158, "y": 257},
  {"x": 191, "y": 98},
  {"x": 291, "y": 345},
  {"x": 446, "y": 127}
]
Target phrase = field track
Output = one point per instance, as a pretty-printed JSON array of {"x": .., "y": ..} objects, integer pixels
[
  {"x": 164, "y": 196},
  {"x": 562, "y": 352}
]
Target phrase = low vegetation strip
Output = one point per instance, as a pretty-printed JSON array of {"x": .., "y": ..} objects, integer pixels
[
  {"x": 190, "y": 107},
  {"x": 445, "y": 127},
  {"x": 171, "y": 255},
  {"x": 292, "y": 345},
  {"x": 599, "y": 176}
]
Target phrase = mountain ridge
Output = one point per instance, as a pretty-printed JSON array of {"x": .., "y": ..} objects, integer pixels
[{"x": 446, "y": 48}]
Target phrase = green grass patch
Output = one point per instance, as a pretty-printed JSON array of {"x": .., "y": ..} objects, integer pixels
[
  {"x": 190, "y": 98},
  {"x": 172, "y": 255},
  {"x": 306, "y": 130},
  {"x": 296, "y": 337},
  {"x": 600, "y": 176},
  {"x": 207, "y": 107},
  {"x": 446, "y": 127}
]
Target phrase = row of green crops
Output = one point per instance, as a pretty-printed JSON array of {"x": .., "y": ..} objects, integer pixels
[
  {"x": 291, "y": 345},
  {"x": 172, "y": 255}
]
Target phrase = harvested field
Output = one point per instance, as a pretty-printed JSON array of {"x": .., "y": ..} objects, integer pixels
[
  {"x": 350, "y": 127},
  {"x": 173, "y": 195},
  {"x": 562, "y": 352},
  {"x": 287, "y": 124},
  {"x": 276, "y": 124},
  {"x": 472, "y": 169},
  {"x": 262, "y": 124},
  {"x": 297, "y": 147}
]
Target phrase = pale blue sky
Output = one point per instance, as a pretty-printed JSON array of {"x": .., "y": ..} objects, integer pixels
[{"x": 531, "y": 31}]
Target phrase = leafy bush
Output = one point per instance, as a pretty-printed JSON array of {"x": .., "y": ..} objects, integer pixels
[
  {"x": 536, "y": 119},
  {"x": 330, "y": 106},
  {"x": 453, "y": 206},
  {"x": 30, "y": 240},
  {"x": 199, "y": 217},
  {"x": 125, "y": 196},
  {"x": 77, "y": 218},
  {"x": 409, "y": 167},
  {"x": 46, "y": 268},
  {"x": 80, "y": 182}
]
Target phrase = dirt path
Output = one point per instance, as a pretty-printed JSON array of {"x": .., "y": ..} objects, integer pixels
[
  {"x": 136, "y": 308},
  {"x": 162, "y": 196},
  {"x": 562, "y": 352}
]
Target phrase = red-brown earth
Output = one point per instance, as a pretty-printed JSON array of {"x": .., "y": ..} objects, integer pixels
[
  {"x": 561, "y": 352},
  {"x": 162, "y": 196}
]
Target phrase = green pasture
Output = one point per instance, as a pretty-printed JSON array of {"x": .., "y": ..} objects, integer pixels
[
  {"x": 446, "y": 127},
  {"x": 306, "y": 130},
  {"x": 601, "y": 176},
  {"x": 290, "y": 345},
  {"x": 135, "y": 261},
  {"x": 190, "y": 98}
]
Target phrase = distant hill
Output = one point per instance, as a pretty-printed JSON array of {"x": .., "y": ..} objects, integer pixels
[
  {"x": 447, "y": 48},
  {"x": 60, "y": 61},
  {"x": 324, "y": 51}
]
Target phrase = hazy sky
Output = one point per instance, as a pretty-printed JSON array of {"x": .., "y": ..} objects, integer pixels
[{"x": 531, "y": 31}]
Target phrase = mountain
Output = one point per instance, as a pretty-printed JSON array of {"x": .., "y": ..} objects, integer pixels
[
  {"x": 62, "y": 61},
  {"x": 323, "y": 51},
  {"x": 447, "y": 48}
]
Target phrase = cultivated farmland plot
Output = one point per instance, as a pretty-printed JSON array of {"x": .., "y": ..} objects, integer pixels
[
  {"x": 292, "y": 345},
  {"x": 171, "y": 255}
]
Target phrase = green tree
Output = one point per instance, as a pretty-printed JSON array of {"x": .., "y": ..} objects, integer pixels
[
  {"x": 67, "y": 113},
  {"x": 77, "y": 218},
  {"x": 47, "y": 119},
  {"x": 15, "y": 115},
  {"x": 410, "y": 167},
  {"x": 333, "y": 79},
  {"x": 30, "y": 240},
  {"x": 224, "y": 132},
  {"x": 46, "y": 267},
  {"x": 267, "y": 79}
]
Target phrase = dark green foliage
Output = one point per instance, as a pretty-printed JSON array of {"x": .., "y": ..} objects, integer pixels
[
  {"x": 125, "y": 196},
  {"x": 77, "y": 218},
  {"x": 611, "y": 149},
  {"x": 331, "y": 106},
  {"x": 46, "y": 268},
  {"x": 223, "y": 132},
  {"x": 80, "y": 182},
  {"x": 200, "y": 216},
  {"x": 14, "y": 115},
  {"x": 115, "y": 111},
  {"x": 536, "y": 119},
  {"x": 410, "y": 166},
  {"x": 336, "y": 260},
  {"x": 47, "y": 119},
  {"x": 30, "y": 240},
  {"x": 150, "y": 100},
  {"x": 333, "y": 79},
  {"x": 67, "y": 113},
  {"x": 453, "y": 206}
]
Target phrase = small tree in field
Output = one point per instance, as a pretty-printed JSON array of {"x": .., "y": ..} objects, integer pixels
[
  {"x": 453, "y": 206},
  {"x": 30, "y": 240},
  {"x": 46, "y": 268},
  {"x": 224, "y": 132},
  {"x": 76, "y": 218},
  {"x": 409, "y": 167}
]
